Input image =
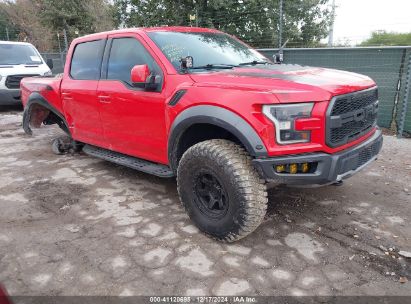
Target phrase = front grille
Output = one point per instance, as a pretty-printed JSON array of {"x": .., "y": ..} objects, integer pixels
[
  {"x": 13, "y": 81},
  {"x": 351, "y": 116}
]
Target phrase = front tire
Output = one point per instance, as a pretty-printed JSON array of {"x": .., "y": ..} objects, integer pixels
[{"x": 221, "y": 190}]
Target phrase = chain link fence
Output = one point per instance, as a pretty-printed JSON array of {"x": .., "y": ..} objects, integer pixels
[{"x": 58, "y": 61}]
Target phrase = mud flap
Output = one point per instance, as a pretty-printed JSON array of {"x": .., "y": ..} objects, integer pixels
[{"x": 26, "y": 121}]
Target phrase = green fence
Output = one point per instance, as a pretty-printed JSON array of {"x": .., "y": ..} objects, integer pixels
[{"x": 388, "y": 66}]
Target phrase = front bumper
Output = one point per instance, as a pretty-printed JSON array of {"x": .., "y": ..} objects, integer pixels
[
  {"x": 9, "y": 97},
  {"x": 331, "y": 168}
]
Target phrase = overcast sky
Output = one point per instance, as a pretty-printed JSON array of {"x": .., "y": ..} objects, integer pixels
[{"x": 356, "y": 19}]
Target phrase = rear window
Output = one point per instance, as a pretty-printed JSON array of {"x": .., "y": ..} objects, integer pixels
[
  {"x": 13, "y": 54},
  {"x": 86, "y": 60}
]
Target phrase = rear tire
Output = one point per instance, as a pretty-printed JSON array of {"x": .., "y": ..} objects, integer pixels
[{"x": 221, "y": 190}]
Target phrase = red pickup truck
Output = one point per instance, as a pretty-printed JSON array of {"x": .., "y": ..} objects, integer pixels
[{"x": 201, "y": 105}]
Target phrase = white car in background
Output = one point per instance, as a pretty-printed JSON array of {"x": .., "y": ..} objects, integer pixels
[{"x": 19, "y": 60}]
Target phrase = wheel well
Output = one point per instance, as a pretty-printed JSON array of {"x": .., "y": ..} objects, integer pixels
[
  {"x": 53, "y": 118},
  {"x": 36, "y": 114},
  {"x": 197, "y": 133}
]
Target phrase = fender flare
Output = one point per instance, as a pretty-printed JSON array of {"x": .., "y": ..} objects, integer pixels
[
  {"x": 219, "y": 117},
  {"x": 37, "y": 99}
]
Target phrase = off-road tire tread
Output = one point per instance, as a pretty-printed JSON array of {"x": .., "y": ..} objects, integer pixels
[{"x": 237, "y": 162}]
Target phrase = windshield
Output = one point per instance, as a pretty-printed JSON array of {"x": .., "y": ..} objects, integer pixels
[
  {"x": 205, "y": 48},
  {"x": 12, "y": 54}
]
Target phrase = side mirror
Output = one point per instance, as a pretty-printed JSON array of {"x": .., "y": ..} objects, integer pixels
[
  {"x": 50, "y": 63},
  {"x": 139, "y": 74},
  {"x": 143, "y": 78}
]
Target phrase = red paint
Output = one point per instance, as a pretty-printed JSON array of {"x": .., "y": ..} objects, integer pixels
[
  {"x": 308, "y": 124},
  {"x": 109, "y": 114},
  {"x": 139, "y": 73},
  {"x": 4, "y": 299}
]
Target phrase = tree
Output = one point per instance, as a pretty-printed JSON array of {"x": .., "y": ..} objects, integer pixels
[
  {"x": 77, "y": 17},
  {"x": 7, "y": 30},
  {"x": 380, "y": 38},
  {"x": 39, "y": 21},
  {"x": 102, "y": 14},
  {"x": 254, "y": 21},
  {"x": 23, "y": 15}
]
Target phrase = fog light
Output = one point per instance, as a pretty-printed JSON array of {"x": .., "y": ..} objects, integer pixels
[
  {"x": 293, "y": 168},
  {"x": 280, "y": 168},
  {"x": 296, "y": 168}
]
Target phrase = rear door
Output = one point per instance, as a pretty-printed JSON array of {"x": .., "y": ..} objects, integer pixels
[
  {"x": 133, "y": 118},
  {"x": 79, "y": 92}
]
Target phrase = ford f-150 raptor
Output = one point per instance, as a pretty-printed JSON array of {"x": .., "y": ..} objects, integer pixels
[{"x": 201, "y": 105}]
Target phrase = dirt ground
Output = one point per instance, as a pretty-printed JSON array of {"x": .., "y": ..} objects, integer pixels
[{"x": 76, "y": 225}]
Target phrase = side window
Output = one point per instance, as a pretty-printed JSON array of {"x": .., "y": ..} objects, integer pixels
[
  {"x": 86, "y": 60},
  {"x": 124, "y": 55}
]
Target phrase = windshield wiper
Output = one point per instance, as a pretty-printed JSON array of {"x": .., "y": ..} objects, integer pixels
[
  {"x": 254, "y": 62},
  {"x": 213, "y": 66}
]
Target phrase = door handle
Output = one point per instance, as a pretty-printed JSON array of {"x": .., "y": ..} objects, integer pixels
[{"x": 104, "y": 99}]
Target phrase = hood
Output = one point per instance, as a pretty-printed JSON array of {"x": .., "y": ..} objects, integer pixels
[{"x": 290, "y": 83}]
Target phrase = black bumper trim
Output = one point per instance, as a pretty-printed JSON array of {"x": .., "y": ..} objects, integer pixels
[
  {"x": 10, "y": 97},
  {"x": 331, "y": 167}
]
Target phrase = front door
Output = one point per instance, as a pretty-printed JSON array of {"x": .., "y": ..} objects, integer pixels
[
  {"x": 133, "y": 118},
  {"x": 79, "y": 93}
]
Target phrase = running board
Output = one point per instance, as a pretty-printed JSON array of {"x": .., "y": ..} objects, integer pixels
[{"x": 129, "y": 161}]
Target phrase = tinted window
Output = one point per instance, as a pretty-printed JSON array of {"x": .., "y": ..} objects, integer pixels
[
  {"x": 124, "y": 55},
  {"x": 86, "y": 60},
  {"x": 205, "y": 48}
]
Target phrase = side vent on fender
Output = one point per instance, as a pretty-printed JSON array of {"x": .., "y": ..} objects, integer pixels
[{"x": 176, "y": 98}]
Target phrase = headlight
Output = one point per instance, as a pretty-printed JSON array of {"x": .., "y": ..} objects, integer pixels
[
  {"x": 284, "y": 116},
  {"x": 48, "y": 73}
]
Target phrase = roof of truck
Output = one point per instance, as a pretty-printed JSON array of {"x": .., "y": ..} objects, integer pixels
[{"x": 150, "y": 29}]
